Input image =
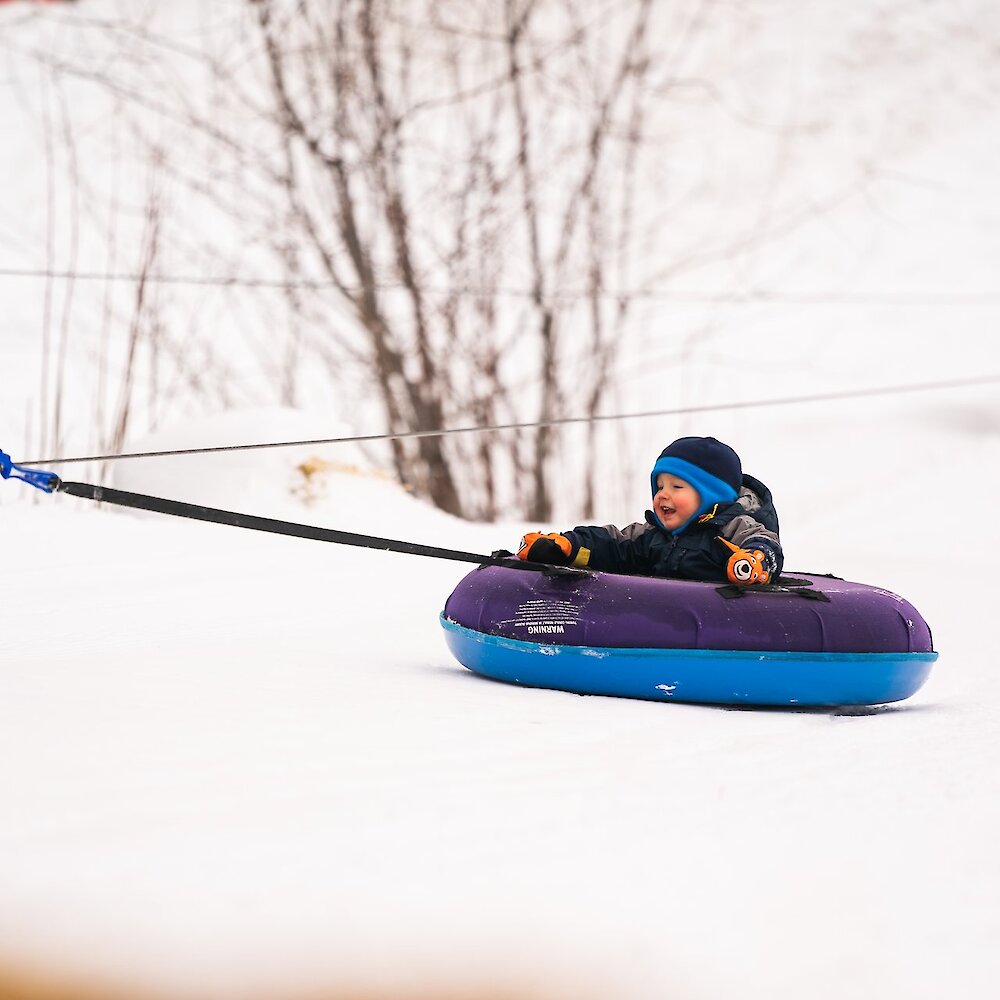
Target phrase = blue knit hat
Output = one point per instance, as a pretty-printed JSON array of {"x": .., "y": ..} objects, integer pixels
[{"x": 710, "y": 466}]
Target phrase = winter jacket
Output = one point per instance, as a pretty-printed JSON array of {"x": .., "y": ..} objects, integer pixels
[{"x": 649, "y": 549}]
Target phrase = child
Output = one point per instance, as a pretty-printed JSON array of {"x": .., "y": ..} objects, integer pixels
[{"x": 708, "y": 522}]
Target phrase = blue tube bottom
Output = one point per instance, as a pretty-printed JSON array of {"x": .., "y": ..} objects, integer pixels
[{"x": 705, "y": 676}]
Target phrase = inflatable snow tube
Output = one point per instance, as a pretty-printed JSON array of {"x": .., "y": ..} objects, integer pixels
[{"x": 808, "y": 641}]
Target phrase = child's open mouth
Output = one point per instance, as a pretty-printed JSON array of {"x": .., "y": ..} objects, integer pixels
[{"x": 667, "y": 511}]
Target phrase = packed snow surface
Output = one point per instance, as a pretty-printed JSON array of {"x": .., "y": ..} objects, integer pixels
[{"x": 235, "y": 764}]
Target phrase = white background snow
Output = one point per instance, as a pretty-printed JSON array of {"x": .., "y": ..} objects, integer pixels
[{"x": 238, "y": 765}]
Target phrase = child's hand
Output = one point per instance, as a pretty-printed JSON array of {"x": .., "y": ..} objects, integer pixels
[
  {"x": 554, "y": 549},
  {"x": 745, "y": 567}
]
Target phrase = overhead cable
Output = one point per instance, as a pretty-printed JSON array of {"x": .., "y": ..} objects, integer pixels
[
  {"x": 749, "y": 404},
  {"x": 824, "y": 297}
]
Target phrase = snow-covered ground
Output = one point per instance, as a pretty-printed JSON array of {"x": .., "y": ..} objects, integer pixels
[
  {"x": 235, "y": 765},
  {"x": 241, "y": 765}
]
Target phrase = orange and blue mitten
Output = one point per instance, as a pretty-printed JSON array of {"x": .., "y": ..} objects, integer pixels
[
  {"x": 745, "y": 566},
  {"x": 553, "y": 549}
]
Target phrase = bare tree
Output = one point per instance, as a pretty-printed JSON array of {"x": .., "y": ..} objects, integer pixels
[
  {"x": 417, "y": 197},
  {"x": 435, "y": 202},
  {"x": 142, "y": 329}
]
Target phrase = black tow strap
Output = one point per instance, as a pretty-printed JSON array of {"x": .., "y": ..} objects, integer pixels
[
  {"x": 49, "y": 482},
  {"x": 783, "y": 585},
  {"x": 196, "y": 512}
]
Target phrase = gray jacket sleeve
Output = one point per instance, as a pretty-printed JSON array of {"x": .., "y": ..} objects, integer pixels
[
  {"x": 747, "y": 532},
  {"x": 742, "y": 529},
  {"x": 745, "y": 527},
  {"x": 628, "y": 533}
]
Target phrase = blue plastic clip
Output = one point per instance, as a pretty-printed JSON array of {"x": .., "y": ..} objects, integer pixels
[{"x": 47, "y": 481}]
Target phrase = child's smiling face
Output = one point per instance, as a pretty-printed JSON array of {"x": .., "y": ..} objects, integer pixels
[{"x": 675, "y": 501}]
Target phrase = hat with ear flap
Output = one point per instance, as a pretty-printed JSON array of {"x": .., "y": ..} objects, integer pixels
[{"x": 710, "y": 466}]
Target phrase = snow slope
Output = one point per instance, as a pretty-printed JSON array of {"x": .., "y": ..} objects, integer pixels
[{"x": 242, "y": 765}]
